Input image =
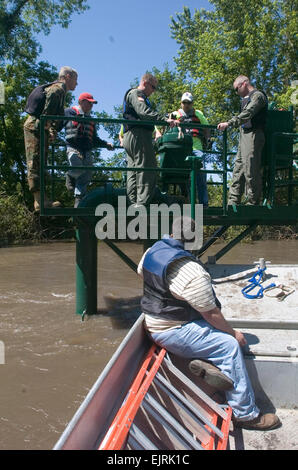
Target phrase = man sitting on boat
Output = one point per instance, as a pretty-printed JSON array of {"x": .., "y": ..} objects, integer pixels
[{"x": 183, "y": 315}]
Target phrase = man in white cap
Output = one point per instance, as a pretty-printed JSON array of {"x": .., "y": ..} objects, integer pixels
[
  {"x": 81, "y": 138},
  {"x": 187, "y": 113}
]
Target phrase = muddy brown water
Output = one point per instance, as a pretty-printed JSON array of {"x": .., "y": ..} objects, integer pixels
[{"x": 52, "y": 357}]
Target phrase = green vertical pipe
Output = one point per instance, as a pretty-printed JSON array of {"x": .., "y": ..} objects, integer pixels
[
  {"x": 290, "y": 186},
  {"x": 193, "y": 187},
  {"x": 272, "y": 167},
  {"x": 42, "y": 163},
  {"x": 52, "y": 171},
  {"x": 86, "y": 270},
  {"x": 225, "y": 166}
]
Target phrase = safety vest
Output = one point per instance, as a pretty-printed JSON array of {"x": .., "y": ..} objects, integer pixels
[
  {"x": 80, "y": 135},
  {"x": 196, "y": 133},
  {"x": 157, "y": 299},
  {"x": 130, "y": 114},
  {"x": 259, "y": 120}
]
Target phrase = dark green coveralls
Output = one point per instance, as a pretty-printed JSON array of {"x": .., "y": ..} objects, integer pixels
[
  {"x": 247, "y": 173},
  {"x": 137, "y": 141}
]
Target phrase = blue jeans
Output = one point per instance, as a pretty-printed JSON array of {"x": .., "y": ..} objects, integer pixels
[
  {"x": 202, "y": 188},
  {"x": 200, "y": 340},
  {"x": 201, "y": 182},
  {"x": 82, "y": 177}
]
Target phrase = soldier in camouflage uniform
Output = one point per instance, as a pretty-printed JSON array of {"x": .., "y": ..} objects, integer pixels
[
  {"x": 247, "y": 173},
  {"x": 137, "y": 140},
  {"x": 54, "y": 105}
]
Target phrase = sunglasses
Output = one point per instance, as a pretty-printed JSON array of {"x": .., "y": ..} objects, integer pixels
[
  {"x": 239, "y": 86},
  {"x": 186, "y": 102}
]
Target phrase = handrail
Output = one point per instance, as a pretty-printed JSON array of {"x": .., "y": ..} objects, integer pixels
[
  {"x": 47, "y": 117},
  {"x": 193, "y": 159},
  {"x": 272, "y": 167},
  {"x": 192, "y": 170}
]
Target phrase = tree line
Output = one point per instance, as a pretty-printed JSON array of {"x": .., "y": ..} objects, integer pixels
[{"x": 258, "y": 39}]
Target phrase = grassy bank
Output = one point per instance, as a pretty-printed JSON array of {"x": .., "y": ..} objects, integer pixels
[{"x": 19, "y": 225}]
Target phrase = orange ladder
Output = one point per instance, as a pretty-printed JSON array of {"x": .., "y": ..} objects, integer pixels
[{"x": 206, "y": 425}]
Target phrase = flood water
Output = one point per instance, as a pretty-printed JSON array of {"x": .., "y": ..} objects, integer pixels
[{"x": 52, "y": 357}]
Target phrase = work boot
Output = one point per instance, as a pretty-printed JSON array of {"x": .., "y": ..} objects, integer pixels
[
  {"x": 47, "y": 204},
  {"x": 263, "y": 422},
  {"x": 210, "y": 374}
]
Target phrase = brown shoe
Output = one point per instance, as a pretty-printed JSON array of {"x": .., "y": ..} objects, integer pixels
[
  {"x": 47, "y": 204},
  {"x": 55, "y": 204},
  {"x": 210, "y": 374},
  {"x": 36, "y": 206},
  {"x": 264, "y": 422}
]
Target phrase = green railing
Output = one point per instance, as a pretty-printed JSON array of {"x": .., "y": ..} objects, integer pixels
[
  {"x": 191, "y": 158},
  {"x": 223, "y": 152},
  {"x": 281, "y": 162}
]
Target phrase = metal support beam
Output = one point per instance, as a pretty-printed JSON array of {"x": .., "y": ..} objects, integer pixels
[
  {"x": 122, "y": 255},
  {"x": 218, "y": 233},
  {"x": 234, "y": 242}
]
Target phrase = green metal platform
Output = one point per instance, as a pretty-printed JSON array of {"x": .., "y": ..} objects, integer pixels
[{"x": 245, "y": 215}]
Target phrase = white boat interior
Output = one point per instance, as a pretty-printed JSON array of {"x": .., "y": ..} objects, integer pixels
[{"x": 270, "y": 325}]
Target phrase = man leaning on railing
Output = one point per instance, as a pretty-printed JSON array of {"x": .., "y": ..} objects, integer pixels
[
  {"x": 45, "y": 99},
  {"x": 81, "y": 138},
  {"x": 137, "y": 141}
]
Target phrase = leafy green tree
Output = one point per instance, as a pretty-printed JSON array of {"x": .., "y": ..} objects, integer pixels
[
  {"x": 21, "y": 71},
  {"x": 20, "y": 18},
  {"x": 257, "y": 39},
  {"x": 19, "y": 80}
]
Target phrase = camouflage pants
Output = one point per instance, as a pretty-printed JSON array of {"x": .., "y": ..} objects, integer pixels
[
  {"x": 247, "y": 173},
  {"x": 32, "y": 148}
]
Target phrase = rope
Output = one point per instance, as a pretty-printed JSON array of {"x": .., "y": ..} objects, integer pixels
[
  {"x": 180, "y": 133},
  {"x": 255, "y": 282}
]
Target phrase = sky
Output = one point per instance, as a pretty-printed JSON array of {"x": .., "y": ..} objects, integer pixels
[{"x": 114, "y": 42}]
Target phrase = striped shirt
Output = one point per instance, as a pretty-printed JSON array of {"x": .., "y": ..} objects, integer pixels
[{"x": 187, "y": 281}]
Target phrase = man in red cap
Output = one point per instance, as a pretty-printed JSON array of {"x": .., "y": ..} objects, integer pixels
[{"x": 81, "y": 138}]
